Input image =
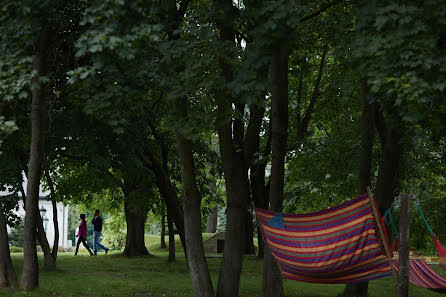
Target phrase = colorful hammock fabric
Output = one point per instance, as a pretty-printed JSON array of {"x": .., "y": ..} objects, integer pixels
[
  {"x": 441, "y": 252},
  {"x": 422, "y": 275},
  {"x": 332, "y": 246}
]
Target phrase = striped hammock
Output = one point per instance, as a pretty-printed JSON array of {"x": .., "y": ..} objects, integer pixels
[
  {"x": 420, "y": 274},
  {"x": 332, "y": 246}
]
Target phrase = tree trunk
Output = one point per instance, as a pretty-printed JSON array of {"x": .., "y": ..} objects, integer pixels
[
  {"x": 249, "y": 238},
  {"x": 168, "y": 193},
  {"x": 365, "y": 170},
  {"x": 279, "y": 118},
  {"x": 135, "y": 219},
  {"x": 402, "y": 285},
  {"x": 211, "y": 226},
  {"x": 235, "y": 169},
  {"x": 171, "y": 238},
  {"x": 389, "y": 169},
  {"x": 8, "y": 278},
  {"x": 30, "y": 273},
  {"x": 49, "y": 262},
  {"x": 260, "y": 190},
  {"x": 55, "y": 220},
  {"x": 163, "y": 229},
  {"x": 198, "y": 268},
  {"x": 135, "y": 208}
]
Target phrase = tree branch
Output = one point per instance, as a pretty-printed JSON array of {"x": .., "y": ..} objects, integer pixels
[
  {"x": 304, "y": 125},
  {"x": 320, "y": 11}
]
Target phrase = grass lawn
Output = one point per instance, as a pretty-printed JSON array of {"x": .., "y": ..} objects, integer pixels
[{"x": 153, "y": 276}]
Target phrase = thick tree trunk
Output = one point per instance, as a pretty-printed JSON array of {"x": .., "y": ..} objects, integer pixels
[
  {"x": 30, "y": 277},
  {"x": 198, "y": 268},
  {"x": 8, "y": 278},
  {"x": 389, "y": 169},
  {"x": 402, "y": 285},
  {"x": 365, "y": 170},
  {"x": 249, "y": 238},
  {"x": 235, "y": 168},
  {"x": 163, "y": 229},
  {"x": 135, "y": 208},
  {"x": 171, "y": 238},
  {"x": 279, "y": 118},
  {"x": 135, "y": 217},
  {"x": 211, "y": 226}
]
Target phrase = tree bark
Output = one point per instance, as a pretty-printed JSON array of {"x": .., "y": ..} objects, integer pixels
[
  {"x": 49, "y": 262},
  {"x": 365, "y": 170},
  {"x": 163, "y": 228},
  {"x": 8, "y": 277},
  {"x": 279, "y": 118},
  {"x": 402, "y": 284},
  {"x": 260, "y": 190},
  {"x": 249, "y": 238},
  {"x": 171, "y": 238},
  {"x": 168, "y": 193},
  {"x": 211, "y": 226},
  {"x": 389, "y": 168},
  {"x": 30, "y": 273},
  {"x": 198, "y": 268},
  {"x": 235, "y": 153},
  {"x": 135, "y": 208}
]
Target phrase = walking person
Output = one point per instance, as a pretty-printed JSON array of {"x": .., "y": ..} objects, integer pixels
[
  {"x": 97, "y": 223},
  {"x": 82, "y": 234}
]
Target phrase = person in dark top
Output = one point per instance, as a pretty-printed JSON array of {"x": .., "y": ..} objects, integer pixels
[
  {"x": 97, "y": 231},
  {"x": 82, "y": 233}
]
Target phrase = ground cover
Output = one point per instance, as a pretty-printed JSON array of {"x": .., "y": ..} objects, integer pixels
[{"x": 152, "y": 276}]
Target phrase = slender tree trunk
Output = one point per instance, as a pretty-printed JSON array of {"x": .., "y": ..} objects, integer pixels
[
  {"x": 211, "y": 226},
  {"x": 279, "y": 117},
  {"x": 402, "y": 285},
  {"x": 135, "y": 208},
  {"x": 163, "y": 228},
  {"x": 365, "y": 170},
  {"x": 30, "y": 273},
  {"x": 49, "y": 258},
  {"x": 171, "y": 238},
  {"x": 198, "y": 268},
  {"x": 55, "y": 220},
  {"x": 169, "y": 194},
  {"x": 260, "y": 190},
  {"x": 48, "y": 261},
  {"x": 8, "y": 278}
]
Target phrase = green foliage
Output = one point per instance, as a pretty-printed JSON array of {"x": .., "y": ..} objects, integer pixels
[
  {"x": 401, "y": 48},
  {"x": 15, "y": 249},
  {"x": 15, "y": 236},
  {"x": 115, "y": 231}
]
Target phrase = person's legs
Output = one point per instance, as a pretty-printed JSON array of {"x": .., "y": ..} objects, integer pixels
[
  {"x": 95, "y": 241},
  {"x": 86, "y": 246},
  {"x": 77, "y": 245},
  {"x": 98, "y": 243}
]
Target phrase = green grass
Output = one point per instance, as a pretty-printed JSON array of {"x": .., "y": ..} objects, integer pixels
[{"x": 153, "y": 276}]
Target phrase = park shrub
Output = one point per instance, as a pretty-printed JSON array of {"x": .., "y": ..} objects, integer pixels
[
  {"x": 114, "y": 240},
  {"x": 15, "y": 249}
]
